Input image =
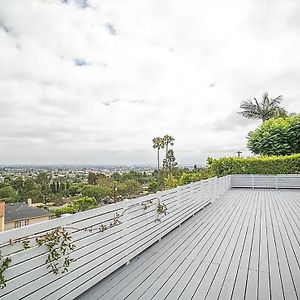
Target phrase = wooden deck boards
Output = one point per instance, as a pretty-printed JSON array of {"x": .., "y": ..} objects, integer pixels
[{"x": 246, "y": 245}]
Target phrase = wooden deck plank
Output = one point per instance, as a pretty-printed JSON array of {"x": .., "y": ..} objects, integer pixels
[
  {"x": 163, "y": 258},
  {"x": 242, "y": 274},
  {"x": 164, "y": 246},
  {"x": 148, "y": 287},
  {"x": 206, "y": 282},
  {"x": 188, "y": 269},
  {"x": 291, "y": 246},
  {"x": 231, "y": 275},
  {"x": 263, "y": 273},
  {"x": 274, "y": 273},
  {"x": 229, "y": 244},
  {"x": 246, "y": 245},
  {"x": 194, "y": 256},
  {"x": 251, "y": 290},
  {"x": 263, "y": 286},
  {"x": 287, "y": 260}
]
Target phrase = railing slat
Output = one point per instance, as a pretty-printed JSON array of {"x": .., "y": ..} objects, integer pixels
[{"x": 100, "y": 253}]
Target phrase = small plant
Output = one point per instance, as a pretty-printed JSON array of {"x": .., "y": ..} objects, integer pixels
[
  {"x": 59, "y": 245},
  {"x": 4, "y": 264},
  {"x": 103, "y": 227},
  {"x": 26, "y": 243},
  {"x": 146, "y": 204},
  {"x": 161, "y": 208}
]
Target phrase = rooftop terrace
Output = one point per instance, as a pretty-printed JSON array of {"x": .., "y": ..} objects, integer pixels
[
  {"x": 221, "y": 238},
  {"x": 245, "y": 245}
]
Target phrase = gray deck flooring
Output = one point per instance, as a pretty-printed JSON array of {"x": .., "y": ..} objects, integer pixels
[{"x": 245, "y": 245}]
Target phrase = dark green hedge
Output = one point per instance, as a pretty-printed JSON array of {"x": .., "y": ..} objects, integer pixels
[{"x": 256, "y": 165}]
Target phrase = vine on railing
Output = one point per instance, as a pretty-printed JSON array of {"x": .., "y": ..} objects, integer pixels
[
  {"x": 4, "y": 264},
  {"x": 161, "y": 208},
  {"x": 102, "y": 227},
  {"x": 147, "y": 204},
  {"x": 59, "y": 245}
]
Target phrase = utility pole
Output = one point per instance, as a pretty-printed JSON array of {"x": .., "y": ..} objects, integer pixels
[{"x": 239, "y": 153}]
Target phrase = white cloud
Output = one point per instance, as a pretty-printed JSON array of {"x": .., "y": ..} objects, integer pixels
[{"x": 95, "y": 81}]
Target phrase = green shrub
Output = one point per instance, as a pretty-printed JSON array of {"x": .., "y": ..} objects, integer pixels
[
  {"x": 84, "y": 203},
  {"x": 256, "y": 165},
  {"x": 195, "y": 176},
  {"x": 170, "y": 182},
  {"x": 280, "y": 136},
  {"x": 65, "y": 210},
  {"x": 79, "y": 204}
]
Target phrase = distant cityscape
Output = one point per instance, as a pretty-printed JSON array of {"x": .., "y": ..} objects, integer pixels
[{"x": 73, "y": 170}]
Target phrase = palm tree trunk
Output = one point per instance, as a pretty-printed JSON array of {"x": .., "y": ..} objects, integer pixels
[
  {"x": 158, "y": 159},
  {"x": 166, "y": 170},
  {"x": 167, "y": 149}
]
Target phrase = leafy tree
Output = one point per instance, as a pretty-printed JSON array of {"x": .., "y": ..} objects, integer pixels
[
  {"x": 35, "y": 194},
  {"x": 153, "y": 185},
  {"x": 132, "y": 187},
  {"x": 116, "y": 176},
  {"x": 18, "y": 184},
  {"x": 92, "y": 178},
  {"x": 43, "y": 179},
  {"x": 279, "y": 136},
  {"x": 168, "y": 140},
  {"x": 65, "y": 210},
  {"x": 97, "y": 192},
  {"x": 85, "y": 203},
  {"x": 263, "y": 110},
  {"x": 75, "y": 188},
  {"x": 32, "y": 190},
  {"x": 158, "y": 143},
  {"x": 171, "y": 182},
  {"x": 79, "y": 204},
  {"x": 53, "y": 187},
  {"x": 169, "y": 162},
  {"x": 8, "y": 193}
]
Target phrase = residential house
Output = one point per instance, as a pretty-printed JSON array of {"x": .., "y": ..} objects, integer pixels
[{"x": 21, "y": 214}]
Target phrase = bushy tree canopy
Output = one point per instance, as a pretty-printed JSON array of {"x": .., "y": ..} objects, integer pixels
[{"x": 277, "y": 136}]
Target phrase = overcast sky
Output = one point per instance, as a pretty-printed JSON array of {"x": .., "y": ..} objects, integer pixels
[{"x": 94, "y": 81}]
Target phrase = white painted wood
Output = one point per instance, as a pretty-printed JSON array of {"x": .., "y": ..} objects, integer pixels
[
  {"x": 284, "y": 181},
  {"x": 100, "y": 253}
]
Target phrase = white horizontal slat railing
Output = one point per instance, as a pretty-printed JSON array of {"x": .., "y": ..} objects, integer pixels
[
  {"x": 282, "y": 181},
  {"x": 131, "y": 227}
]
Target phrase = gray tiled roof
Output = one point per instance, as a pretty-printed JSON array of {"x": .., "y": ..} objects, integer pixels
[{"x": 20, "y": 211}]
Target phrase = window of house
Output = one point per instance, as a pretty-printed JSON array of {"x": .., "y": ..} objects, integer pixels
[{"x": 21, "y": 223}]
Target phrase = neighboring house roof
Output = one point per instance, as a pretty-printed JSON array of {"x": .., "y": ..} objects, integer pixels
[{"x": 21, "y": 210}]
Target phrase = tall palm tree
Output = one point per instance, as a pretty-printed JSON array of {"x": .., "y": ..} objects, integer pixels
[
  {"x": 264, "y": 110},
  {"x": 168, "y": 140},
  {"x": 158, "y": 143}
]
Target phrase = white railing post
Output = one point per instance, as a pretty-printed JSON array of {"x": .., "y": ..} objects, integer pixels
[
  {"x": 216, "y": 187},
  {"x": 200, "y": 192},
  {"x": 160, "y": 223},
  {"x": 210, "y": 189},
  {"x": 126, "y": 228},
  {"x": 252, "y": 177},
  {"x": 179, "y": 202},
  {"x": 213, "y": 189}
]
